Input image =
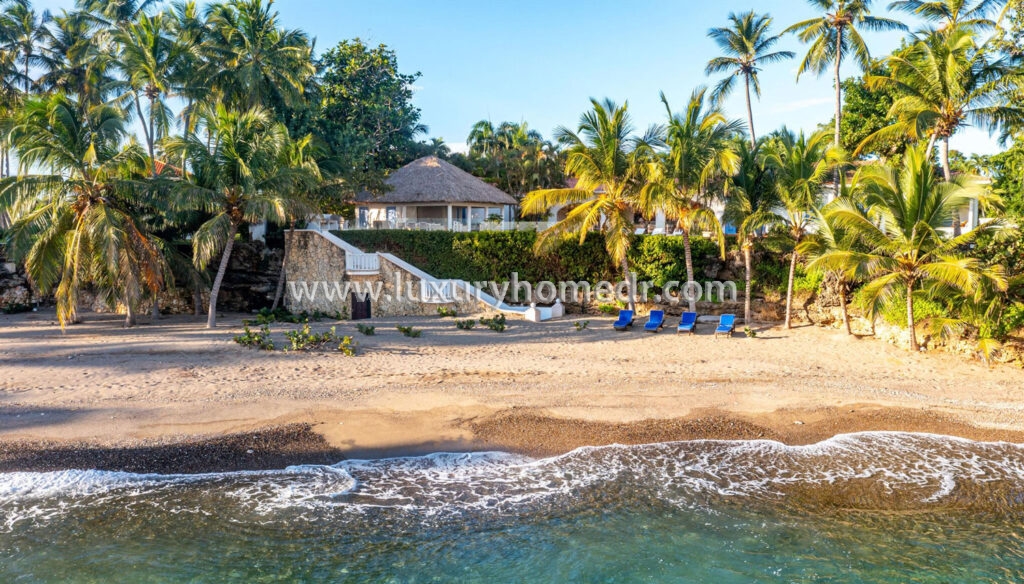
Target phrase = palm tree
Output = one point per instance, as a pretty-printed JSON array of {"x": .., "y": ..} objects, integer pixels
[
  {"x": 902, "y": 233},
  {"x": 832, "y": 248},
  {"x": 111, "y": 13},
  {"x": 751, "y": 196},
  {"x": 241, "y": 176},
  {"x": 148, "y": 56},
  {"x": 298, "y": 154},
  {"x": 73, "y": 226},
  {"x": 835, "y": 35},
  {"x": 611, "y": 167},
  {"x": 700, "y": 151},
  {"x": 252, "y": 61},
  {"x": 947, "y": 82},
  {"x": 952, "y": 13},
  {"x": 746, "y": 44},
  {"x": 801, "y": 164},
  {"x": 74, "y": 61},
  {"x": 25, "y": 31}
]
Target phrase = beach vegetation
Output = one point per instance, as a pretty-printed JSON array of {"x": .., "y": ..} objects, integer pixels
[
  {"x": 409, "y": 331},
  {"x": 496, "y": 323},
  {"x": 368, "y": 330},
  {"x": 465, "y": 325}
]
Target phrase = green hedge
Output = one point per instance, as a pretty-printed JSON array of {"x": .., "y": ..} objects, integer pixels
[{"x": 494, "y": 255}]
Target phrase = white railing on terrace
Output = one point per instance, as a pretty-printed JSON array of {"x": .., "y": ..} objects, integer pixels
[
  {"x": 442, "y": 225},
  {"x": 362, "y": 262}
]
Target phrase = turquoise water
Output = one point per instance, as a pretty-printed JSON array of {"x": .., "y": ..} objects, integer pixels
[{"x": 877, "y": 507}]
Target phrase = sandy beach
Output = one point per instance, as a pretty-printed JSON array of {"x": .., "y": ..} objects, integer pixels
[{"x": 148, "y": 398}]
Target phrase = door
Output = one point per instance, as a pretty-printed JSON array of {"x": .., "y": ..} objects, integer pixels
[
  {"x": 392, "y": 216},
  {"x": 360, "y": 308},
  {"x": 363, "y": 217}
]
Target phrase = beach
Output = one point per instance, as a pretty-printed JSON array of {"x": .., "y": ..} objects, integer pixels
[{"x": 176, "y": 397}]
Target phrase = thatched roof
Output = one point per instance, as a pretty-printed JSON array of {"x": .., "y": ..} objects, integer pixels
[{"x": 432, "y": 180}]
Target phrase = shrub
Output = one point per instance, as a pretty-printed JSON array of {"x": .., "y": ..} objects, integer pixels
[
  {"x": 260, "y": 340},
  {"x": 495, "y": 323},
  {"x": 306, "y": 340},
  {"x": 366, "y": 329},
  {"x": 409, "y": 331},
  {"x": 16, "y": 308},
  {"x": 751, "y": 333},
  {"x": 465, "y": 325},
  {"x": 581, "y": 325},
  {"x": 444, "y": 311},
  {"x": 609, "y": 309},
  {"x": 347, "y": 346}
]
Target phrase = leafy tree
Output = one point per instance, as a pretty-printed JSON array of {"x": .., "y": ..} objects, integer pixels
[
  {"x": 865, "y": 112},
  {"x": 952, "y": 13},
  {"x": 946, "y": 81},
  {"x": 72, "y": 223},
  {"x": 1007, "y": 172},
  {"x": 364, "y": 113},
  {"x": 907, "y": 251},
  {"x": 513, "y": 157},
  {"x": 611, "y": 167},
  {"x": 747, "y": 46},
  {"x": 836, "y": 35},
  {"x": 801, "y": 164},
  {"x": 241, "y": 176},
  {"x": 751, "y": 197},
  {"x": 833, "y": 248},
  {"x": 700, "y": 151}
]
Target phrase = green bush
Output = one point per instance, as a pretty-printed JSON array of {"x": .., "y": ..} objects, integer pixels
[
  {"x": 366, "y": 329},
  {"x": 581, "y": 325},
  {"x": 465, "y": 325},
  {"x": 258, "y": 340},
  {"x": 609, "y": 309},
  {"x": 495, "y": 323},
  {"x": 409, "y": 331},
  {"x": 444, "y": 311},
  {"x": 306, "y": 340},
  {"x": 486, "y": 256}
]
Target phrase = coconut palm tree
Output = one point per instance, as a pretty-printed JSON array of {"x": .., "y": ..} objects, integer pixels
[
  {"x": 902, "y": 231},
  {"x": 747, "y": 46},
  {"x": 801, "y": 164},
  {"x": 835, "y": 35},
  {"x": 25, "y": 33},
  {"x": 240, "y": 176},
  {"x": 76, "y": 63},
  {"x": 148, "y": 55},
  {"x": 72, "y": 223},
  {"x": 700, "y": 151},
  {"x": 111, "y": 13},
  {"x": 252, "y": 60},
  {"x": 952, "y": 13},
  {"x": 750, "y": 198},
  {"x": 611, "y": 166},
  {"x": 298, "y": 154},
  {"x": 948, "y": 82},
  {"x": 833, "y": 248}
]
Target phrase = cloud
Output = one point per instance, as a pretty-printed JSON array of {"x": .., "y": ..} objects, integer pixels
[{"x": 792, "y": 106}]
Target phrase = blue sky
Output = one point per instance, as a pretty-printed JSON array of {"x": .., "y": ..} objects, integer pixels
[{"x": 540, "y": 61}]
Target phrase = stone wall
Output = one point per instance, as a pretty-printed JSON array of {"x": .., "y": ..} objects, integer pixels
[
  {"x": 312, "y": 259},
  {"x": 14, "y": 287}
]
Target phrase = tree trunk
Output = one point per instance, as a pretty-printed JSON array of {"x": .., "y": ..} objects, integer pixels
[
  {"x": 839, "y": 102},
  {"x": 155, "y": 312},
  {"x": 910, "y": 316},
  {"x": 145, "y": 132},
  {"x": 284, "y": 261},
  {"x": 129, "y": 315},
  {"x": 947, "y": 173},
  {"x": 211, "y": 319},
  {"x": 152, "y": 135},
  {"x": 842, "y": 303},
  {"x": 748, "y": 264},
  {"x": 629, "y": 284},
  {"x": 689, "y": 269},
  {"x": 789, "y": 290},
  {"x": 197, "y": 300},
  {"x": 750, "y": 114}
]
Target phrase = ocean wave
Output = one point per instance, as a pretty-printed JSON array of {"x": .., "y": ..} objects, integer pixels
[{"x": 868, "y": 470}]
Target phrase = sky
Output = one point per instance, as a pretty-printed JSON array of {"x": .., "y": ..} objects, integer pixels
[{"x": 540, "y": 61}]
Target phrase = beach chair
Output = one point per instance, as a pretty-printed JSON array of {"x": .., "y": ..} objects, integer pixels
[
  {"x": 625, "y": 320},
  {"x": 640, "y": 231},
  {"x": 655, "y": 321},
  {"x": 726, "y": 325},
  {"x": 688, "y": 323}
]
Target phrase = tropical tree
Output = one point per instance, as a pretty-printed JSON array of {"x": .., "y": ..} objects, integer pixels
[
  {"x": 252, "y": 61},
  {"x": 240, "y": 176},
  {"x": 611, "y": 166},
  {"x": 25, "y": 34},
  {"x": 834, "y": 36},
  {"x": 902, "y": 231},
  {"x": 148, "y": 56},
  {"x": 72, "y": 223},
  {"x": 700, "y": 152},
  {"x": 801, "y": 164},
  {"x": 75, "y": 62},
  {"x": 947, "y": 82},
  {"x": 747, "y": 45},
  {"x": 750, "y": 198},
  {"x": 831, "y": 247},
  {"x": 952, "y": 13}
]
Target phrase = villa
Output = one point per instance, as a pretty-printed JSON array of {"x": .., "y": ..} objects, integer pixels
[{"x": 430, "y": 193}]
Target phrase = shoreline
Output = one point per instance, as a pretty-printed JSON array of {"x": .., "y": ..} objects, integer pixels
[{"x": 529, "y": 433}]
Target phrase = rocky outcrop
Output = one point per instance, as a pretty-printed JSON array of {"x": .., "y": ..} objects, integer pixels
[{"x": 15, "y": 291}]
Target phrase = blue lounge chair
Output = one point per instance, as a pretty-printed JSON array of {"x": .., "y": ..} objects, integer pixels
[
  {"x": 726, "y": 324},
  {"x": 655, "y": 321},
  {"x": 688, "y": 323},
  {"x": 625, "y": 320}
]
